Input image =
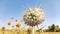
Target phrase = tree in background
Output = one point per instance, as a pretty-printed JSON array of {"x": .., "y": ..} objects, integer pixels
[{"x": 53, "y": 28}]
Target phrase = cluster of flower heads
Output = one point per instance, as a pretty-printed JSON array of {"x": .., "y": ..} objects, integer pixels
[
  {"x": 17, "y": 23},
  {"x": 33, "y": 16}
]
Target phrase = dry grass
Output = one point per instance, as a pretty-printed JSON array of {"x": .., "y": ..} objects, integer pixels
[
  {"x": 24, "y": 32},
  {"x": 51, "y": 32}
]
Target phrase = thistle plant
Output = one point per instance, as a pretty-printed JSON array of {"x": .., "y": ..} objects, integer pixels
[
  {"x": 33, "y": 17},
  {"x": 3, "y": 30},
  {"x": 13, "y": 29},
  {"x": 18, "y": 24},
  {"x": 18, "y": 27},
  {"x": 9, "y": 23},
  {"x": 29, "y": 30},
  {"x": 16, "y": 19},
  {"x": 12, "y": 25},
  {"x": 12, "y": 17}
]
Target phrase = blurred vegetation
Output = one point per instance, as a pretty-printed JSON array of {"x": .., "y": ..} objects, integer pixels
[
  {"x": 53, "y": 28},
  {"x": 16, "y": 28}
]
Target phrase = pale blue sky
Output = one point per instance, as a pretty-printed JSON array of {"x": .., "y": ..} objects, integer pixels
[{"x": 16, "y": 8}]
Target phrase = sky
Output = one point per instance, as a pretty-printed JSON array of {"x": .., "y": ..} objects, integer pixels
[{"x": 16, "y": 8}]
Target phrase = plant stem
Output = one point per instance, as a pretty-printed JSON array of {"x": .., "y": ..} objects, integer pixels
[{"x": 32, "y": 30}]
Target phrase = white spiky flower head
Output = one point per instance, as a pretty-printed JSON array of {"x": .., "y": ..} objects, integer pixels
[{"x": 33, "y": 14}]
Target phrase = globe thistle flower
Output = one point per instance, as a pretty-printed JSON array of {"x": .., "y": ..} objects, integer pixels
[
  {"x": 16, "y": 19},
  {"x": 3, "y": 28},
  {"x": 9, "y": 23},
  {"x": 12, "y": 17},
  {"x": 18, "y": 24},
  {"x": 33, "y": 16}
]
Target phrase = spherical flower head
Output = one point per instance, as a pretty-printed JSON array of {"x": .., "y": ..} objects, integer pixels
[
  {"x": 9, "y": 23},
  {"x": 18, "y": 24},
  {"x": 16, "y": 19},
  {"x": 3, "y": 28},
  {"x": 12, "y": 17},
  {"x": 33, "y": 14}
]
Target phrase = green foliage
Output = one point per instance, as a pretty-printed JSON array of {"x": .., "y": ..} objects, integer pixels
[{"x": 53, "y": 28}]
